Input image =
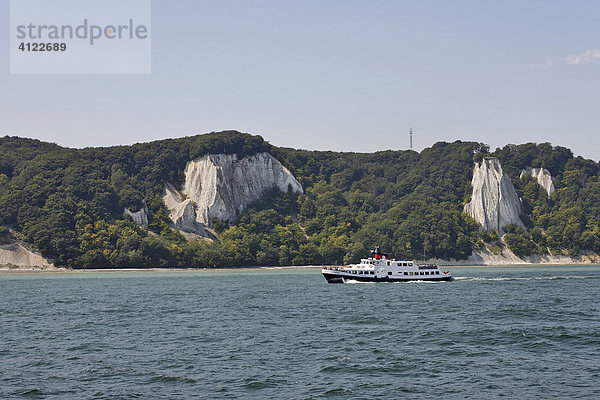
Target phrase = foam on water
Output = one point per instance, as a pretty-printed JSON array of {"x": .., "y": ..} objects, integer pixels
[{"x": 354, "y": 282}]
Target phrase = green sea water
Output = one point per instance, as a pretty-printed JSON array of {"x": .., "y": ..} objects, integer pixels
[{"x": 501, "y": 332}]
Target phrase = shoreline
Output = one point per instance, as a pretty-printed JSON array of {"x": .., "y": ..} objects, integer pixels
[
  {"x": 152, "y": 269},
  {"x": 299, "y": 267}
]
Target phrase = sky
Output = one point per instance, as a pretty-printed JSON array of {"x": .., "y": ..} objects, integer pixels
[{"x": 343, "y": 75}]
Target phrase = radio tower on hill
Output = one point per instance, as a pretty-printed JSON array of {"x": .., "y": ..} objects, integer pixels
[{"x": 410, "y": 133}]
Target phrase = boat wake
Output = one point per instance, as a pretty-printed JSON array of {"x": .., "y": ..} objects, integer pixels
[
  {"x": 352, "y": 281},
  {"x": 536, "y": 278}
]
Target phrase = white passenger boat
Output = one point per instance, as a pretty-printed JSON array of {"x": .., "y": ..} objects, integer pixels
[{"x": 380, "y": 268}]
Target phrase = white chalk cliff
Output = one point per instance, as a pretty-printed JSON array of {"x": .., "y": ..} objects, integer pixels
[
  {"x": 13, "y": 255},
  {"x": 181, "y": 212},
  {"x": 139, "y": 217},
  {"x": 222, "y": 186},
  {"x": 16, "y": 255},
  {"x": 494, "y": 202},
  {"x": 543, "y": 176}
]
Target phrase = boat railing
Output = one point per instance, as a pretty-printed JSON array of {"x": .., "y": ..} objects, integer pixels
[
  {"x": 334, "y": 268},
  {"x": 428, "y": 265}
]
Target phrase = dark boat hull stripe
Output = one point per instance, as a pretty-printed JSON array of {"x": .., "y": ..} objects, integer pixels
[{"x": 335, "y": 278}]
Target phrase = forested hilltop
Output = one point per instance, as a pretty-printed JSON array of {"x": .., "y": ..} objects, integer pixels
[{"x": 68, "y": 204}]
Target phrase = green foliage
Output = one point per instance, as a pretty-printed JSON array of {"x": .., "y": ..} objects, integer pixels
[
  {"x": 495, "y": 249},
  {"x": 15, "y": 151},
  {"x": 520, "y": 241},
  {"x": 410, "y": 204},
  {"x": 69, "y": 204},
  {"x": 489, "y": 237},
  {"x": 543, "y": 155}
]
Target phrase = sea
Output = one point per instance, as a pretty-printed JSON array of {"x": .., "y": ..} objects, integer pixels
[{"x": 494, "y": 332}]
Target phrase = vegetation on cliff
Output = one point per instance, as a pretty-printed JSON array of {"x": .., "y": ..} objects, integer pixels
[{"x": 69, "y": 203}]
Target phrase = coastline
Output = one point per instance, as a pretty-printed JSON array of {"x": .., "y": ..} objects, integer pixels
[
  {"x": 34, "y": 263},
  {"x": 29, "y": 270},
  {"x": 277, "y": 268}
]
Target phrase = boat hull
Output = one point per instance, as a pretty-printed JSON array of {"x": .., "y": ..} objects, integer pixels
[{"x": 339, "y": 278}]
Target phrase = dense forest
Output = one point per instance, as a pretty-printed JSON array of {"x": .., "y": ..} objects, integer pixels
[{"x": 68, "y": 204}]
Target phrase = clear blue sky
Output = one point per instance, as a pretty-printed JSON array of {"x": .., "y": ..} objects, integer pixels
[{"x": 342, "y": 75}]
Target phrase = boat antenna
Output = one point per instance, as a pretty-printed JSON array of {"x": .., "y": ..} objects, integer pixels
[{"x": 410, "y": 134}]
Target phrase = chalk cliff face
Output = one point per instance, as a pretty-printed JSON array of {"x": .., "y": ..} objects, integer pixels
[
  {"x": 139, "y": 217},
  {"x": 13, "y": 255},
  {"x": 222, "y": 186},
  {"x": 543, "y": 177},
  {"x": 494, "y": 202},
  {"x": 182, "y": 213},
  {"x": 17, "y": 255}
]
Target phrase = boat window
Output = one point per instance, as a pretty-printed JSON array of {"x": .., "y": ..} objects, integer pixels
[
  {"x": 427, "y": 273},
  {"x": 388, "y": 263},
  {"x": 410, "y": 273},
  {"x": 410, "y": 264},
  {"x": 406, "y": 273},
  {"x": 389, "y": 273}
]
